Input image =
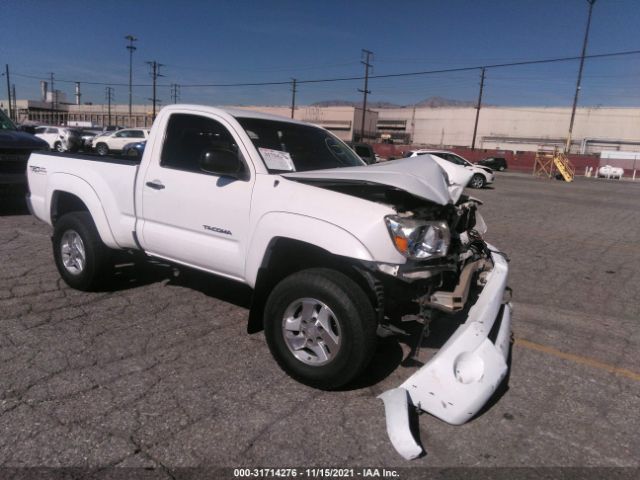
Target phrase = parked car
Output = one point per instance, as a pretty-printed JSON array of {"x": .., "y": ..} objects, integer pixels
[
  {"x": 87, "y": 137},
  {"x": 60, "y": 139},
  {"x": 332, "y": 248},
  {"x": 15, "y": 148},
  {"x": 610, "y": 172},
  {"x": 481, "y": 177},
  {"x": 134, "y": 150},
  {"x": 364, "y": 151},
  {"x": 115, "y": 141},
  {"x": 494, "y": 163},
  {"x": 112, "y": 128}
]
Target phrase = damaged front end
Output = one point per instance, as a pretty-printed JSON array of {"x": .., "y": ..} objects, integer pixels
[
  {"x": 449, "y": 271},
  {"x": 470, "y": 279}
]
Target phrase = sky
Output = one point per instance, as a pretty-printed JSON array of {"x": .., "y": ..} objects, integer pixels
[{"x": 218, "y": 41}]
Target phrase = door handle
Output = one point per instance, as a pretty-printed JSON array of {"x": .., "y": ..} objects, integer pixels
[{"x": 156, "y": 185}]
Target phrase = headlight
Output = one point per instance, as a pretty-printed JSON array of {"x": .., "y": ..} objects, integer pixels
[{"x": 418, "y": 239}]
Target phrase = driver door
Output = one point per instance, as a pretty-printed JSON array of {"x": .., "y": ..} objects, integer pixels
[{"x": 189, "y": 215}]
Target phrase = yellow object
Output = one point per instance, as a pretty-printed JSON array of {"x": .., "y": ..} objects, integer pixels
[
  {"x": 548, "y": 161},
  {"x": 564, "y": 166}
]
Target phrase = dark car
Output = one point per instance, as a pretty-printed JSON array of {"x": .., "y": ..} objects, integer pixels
[
  {"x": 134, "y": 149},
  {"x": 15, "y": 148},
  {"x": 364, "y": 151},
  {"x": 494, "y": 163}
]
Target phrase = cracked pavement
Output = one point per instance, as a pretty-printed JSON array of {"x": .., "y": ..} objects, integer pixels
[{"x": 160, "y": 372}]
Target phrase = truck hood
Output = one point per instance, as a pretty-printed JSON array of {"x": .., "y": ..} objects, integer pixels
[
  {"x": 16, "y": 140},
  {"x": 421, "y": 176}
]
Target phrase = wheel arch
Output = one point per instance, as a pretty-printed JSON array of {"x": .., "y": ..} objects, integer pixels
[
  {"x": 285, "y": 256},
  {"x": 68, "y": 193}
]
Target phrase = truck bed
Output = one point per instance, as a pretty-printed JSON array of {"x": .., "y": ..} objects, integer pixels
[{"x": 107, "y": 183}]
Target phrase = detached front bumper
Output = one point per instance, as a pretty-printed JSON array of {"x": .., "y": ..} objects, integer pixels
[{"x": 457, "y": 382}]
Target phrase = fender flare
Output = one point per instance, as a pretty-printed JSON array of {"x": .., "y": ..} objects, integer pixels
[
  {"x": 311, "y": 230},
  {"x": 74, "y": 185}
]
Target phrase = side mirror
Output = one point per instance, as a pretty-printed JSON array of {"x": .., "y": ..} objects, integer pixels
[{"x": 222, "y": 162}]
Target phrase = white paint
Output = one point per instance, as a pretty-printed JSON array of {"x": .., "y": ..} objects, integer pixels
[{"x": 457, "y": 382}]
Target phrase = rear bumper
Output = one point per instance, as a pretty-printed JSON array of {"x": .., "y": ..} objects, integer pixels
[{"x": 457, "y": 382}]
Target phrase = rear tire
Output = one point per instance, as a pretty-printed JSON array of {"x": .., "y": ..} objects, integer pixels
[
  {"x": 320, "y": 327},
  {"x": 83, "y": 261},
  {"x": 477, "y": 181},
  {"x": 102, "y": 149}
]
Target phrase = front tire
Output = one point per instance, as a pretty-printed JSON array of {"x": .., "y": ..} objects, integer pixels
[
  {"x": 320, "y": 327},
  {"x": 477, "y": 181},
  {"x": 58, "y": 147},
  {"x": 83, "y": 261}
]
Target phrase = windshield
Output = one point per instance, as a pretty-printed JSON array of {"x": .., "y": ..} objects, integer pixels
[
  {"x": 287, "y": 147},
  {"x": 5, "y": 123}
]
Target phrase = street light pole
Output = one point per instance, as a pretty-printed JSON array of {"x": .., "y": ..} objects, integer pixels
[
  {"x": 575, "y": 98},
  {"x": 131, "y": 48}
]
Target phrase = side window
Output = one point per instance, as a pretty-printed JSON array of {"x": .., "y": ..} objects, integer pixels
[
  {"x": 40, "y": 130},
  {"x": 124, "y": 134},
  {"x": 188, "y": 136},
  {"x": 136, "y": 134},
  {"x": 52, "y": 130}
]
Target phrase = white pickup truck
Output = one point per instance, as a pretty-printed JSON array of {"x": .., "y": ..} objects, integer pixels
[{"x": 332, "y": 248}]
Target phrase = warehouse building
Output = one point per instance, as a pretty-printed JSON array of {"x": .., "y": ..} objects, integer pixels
[
  {"x": 514, "y": 128},
  {"x": 500, "y": 128}
]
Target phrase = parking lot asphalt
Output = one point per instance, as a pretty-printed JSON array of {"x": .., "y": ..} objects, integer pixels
[{"x": 160, "y": 372}]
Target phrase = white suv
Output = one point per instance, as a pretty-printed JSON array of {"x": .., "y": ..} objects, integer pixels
[
  {"x": 481, "y": 175},
  {"x": 115, "y": 141}
]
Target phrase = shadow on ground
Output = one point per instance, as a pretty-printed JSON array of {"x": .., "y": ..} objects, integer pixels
[
  {"x": 13, "y": 202},
  {"x": 135, "y": 270}
]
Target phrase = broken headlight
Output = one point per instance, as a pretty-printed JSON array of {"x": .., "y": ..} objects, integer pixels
[{"x": 418, "y": 239}]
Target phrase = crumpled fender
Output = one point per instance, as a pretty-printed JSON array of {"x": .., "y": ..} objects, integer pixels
[{"x": 314, "y": 231}]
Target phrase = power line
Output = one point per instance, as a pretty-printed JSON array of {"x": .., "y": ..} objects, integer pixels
[{"x": 360, "y": 77}]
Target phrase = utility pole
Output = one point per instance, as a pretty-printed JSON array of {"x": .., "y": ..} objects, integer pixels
[
  {"x": 9, "y": 91},
  {"x": 15, "y": 103},
  {"x": 53, "y": 96},
  {"x": 131, "y": 49},
  {"x": 367, "y": 57},
  {"x": 293, "y": 96},
  {"x": 155, "y": 73},
  {"x": 175, "y": 92},
  {"x": 108, "y": 95},
  {"x": 475, "y": 127},
  {"x": 575, "y": 98}
]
